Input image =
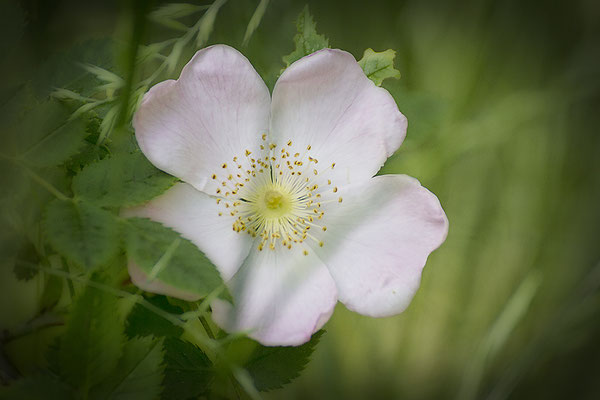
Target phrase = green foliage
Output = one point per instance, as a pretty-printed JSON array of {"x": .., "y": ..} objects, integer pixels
[
  {"x": 40, "y": 132},
  {"x": 188, "y": 372},
  {"x": 26, "y": 260},
  {"x": 184, "y": 267},
  {"x": 92, "y": 343},
  {"x": 120, "y": 181},
  {"x": 90, "y": 152},
  {"x": 138, "y": 374},
  {"x": 53, "y": 289},
  {"x": 58, "y": 145},
  {"x": 65, "y": 70},
  {"x": 70, "y": 162},
  {"x": 379, "y": 66},
  {"x": 37, "y": 387},
  {"x": 144, "y": 322},
  {"x": 167, "y": 14},
  {"x": 255, "y": 20},
  {"x": 82, "y": 232},
  {"x": 273, "y": 367},
  {"x": 307, "y": 40}
]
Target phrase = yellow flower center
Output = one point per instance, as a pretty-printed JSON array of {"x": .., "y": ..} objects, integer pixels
[
  {"x": 276, "y": 197},
  {"x": 275, "y": 200}
]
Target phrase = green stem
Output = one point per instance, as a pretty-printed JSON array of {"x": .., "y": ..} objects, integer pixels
[
  {"x": 47, "y": 185},
  {"x": 209, "y": 343},
  {"x": 42, "y": 321},
  {"x": 206, "y": 327}
]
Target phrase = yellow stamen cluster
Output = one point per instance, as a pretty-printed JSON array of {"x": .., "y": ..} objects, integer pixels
[{"x": 276, "y": 196}]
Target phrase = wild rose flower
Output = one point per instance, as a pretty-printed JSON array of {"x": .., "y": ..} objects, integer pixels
[{"x": 279, "y": 191}]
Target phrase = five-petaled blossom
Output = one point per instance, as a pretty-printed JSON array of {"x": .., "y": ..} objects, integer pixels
[{"x": 279, "y": 191}]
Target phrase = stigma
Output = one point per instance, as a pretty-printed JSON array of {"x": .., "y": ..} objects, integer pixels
[{"x": 276, "y": 196}]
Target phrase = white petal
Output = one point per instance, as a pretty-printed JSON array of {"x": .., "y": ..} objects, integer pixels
[
  {"x": 325, "y": 100},
  {"x": 281, "y": 297},
  {"x": 140, "y": 279},
  {"x": 195, "y": 216},
  {"x": 217, "y": 110},
  {"x": 378, "y": 240}
]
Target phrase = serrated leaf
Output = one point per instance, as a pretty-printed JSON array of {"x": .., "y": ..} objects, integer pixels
[
  {"x": 90, "y": 152},
  {"x": 188, "y": 372},
  {"x": 307, "y": 40},
  {"x": 138, "y": 374},
  {"x": 40, "y": 132},
  {"x": 273, "y": 367},
  {"x": 186, "y": 267},
  {"x": 91, "y": 345},
  {"x": 121, "y": 180},
  {"x": 379, "y": 66},
  {"x": 143, "y": 322},
  {"x": 37, "y": 387},
  {"x": 82, "y": 232},
  {"x": 58, "y": 145}
]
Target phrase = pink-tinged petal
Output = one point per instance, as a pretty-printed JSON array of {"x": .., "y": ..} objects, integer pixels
[
  {"x": 195, "y": 216},
  {"x": 140, "y": 279},
  {"x": 378, "y": 240},
  {"x": 281, "y": 297},
  {"x": 217, "y": 110},
  {"x": 325, "y": 100}
]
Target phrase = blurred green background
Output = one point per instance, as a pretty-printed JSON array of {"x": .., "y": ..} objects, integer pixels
[{"x": 502, "y": 99}]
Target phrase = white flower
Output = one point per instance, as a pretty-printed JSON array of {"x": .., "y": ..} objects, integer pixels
[{"x": 280, "y": 192}]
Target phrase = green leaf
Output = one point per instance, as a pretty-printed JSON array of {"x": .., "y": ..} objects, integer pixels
[
  {"x": 37, "y": 387},
  {"x": 144, "y": 322},
  {"x": 273, "y": 367},
  {"x": 307, "y": 40},
  {"x": 379, "y": 65},
  {"x": 188, "y": 372},
  {"x": 90, "y": 152},
  {"x": 121, "y": 180},
  {"x": 138, "y": 374},
  {"x": 91, "y": 345},
  {"x": 182, "y": 265},
  {"x": 82, "y": 232},
  {"x": 58, "y": 145},
  {"x": 40, "y": 132}
]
